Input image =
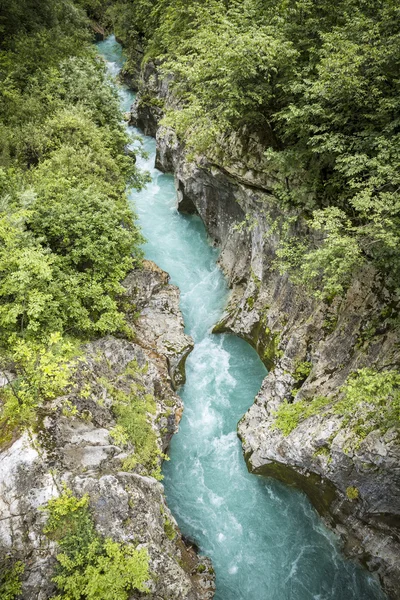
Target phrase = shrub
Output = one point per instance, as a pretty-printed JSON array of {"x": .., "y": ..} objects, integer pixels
[
  {"x": 352, "y": 493},
  {"x": 10, "y": 578},
  {"x": 90, "y": 567},
  {"x": 288, "y": 416}
]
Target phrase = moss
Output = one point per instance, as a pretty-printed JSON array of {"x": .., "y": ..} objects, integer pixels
[
  {"x": 220, "y": 327},
  {"x": 271, "y": 352},
  {"x": 250, "y": 302},
  {"x": 181, "y": 368},
  {"x": 8, "y": 435},
  {"x": 321, "y": 492},
  {"x": 352, "y": 493},
  {"x": 170, "y": 402},
  {"x": 265, "y": 342},
  {"x": 324, "y": 451},
  {"x": 329, "y": 325},
  {"x": 288, "y": 416},
  {"x": 256, "y": 280}
]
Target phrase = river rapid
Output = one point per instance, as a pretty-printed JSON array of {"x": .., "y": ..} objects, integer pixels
[{"x": 265, "y": 539}]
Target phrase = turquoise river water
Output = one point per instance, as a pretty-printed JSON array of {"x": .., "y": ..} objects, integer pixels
[{"x": 264, "y": 538}]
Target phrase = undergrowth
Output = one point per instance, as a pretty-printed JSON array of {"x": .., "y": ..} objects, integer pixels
[
  {"x": 89, "y": 566},
  {"x": 369, "y": 401},
  {"x": 10, "y": 578},
  {"x": 133, "y": 409}
]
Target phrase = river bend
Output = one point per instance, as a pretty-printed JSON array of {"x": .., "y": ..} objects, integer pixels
[{"x": 264, "y": 538}]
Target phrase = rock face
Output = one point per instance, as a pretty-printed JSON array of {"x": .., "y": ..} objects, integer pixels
[
  {"x": 148, "y": 108},
  {"x": 290, "y": 328},
  {"x": 74, "y": 445},
  {"x": 160, "y": 324}
]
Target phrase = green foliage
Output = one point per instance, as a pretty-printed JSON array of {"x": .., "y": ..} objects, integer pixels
[
  {"x": 10, "y": 579},
  {"x": 70, "y": 238},
  {"x": 224, "y": 75},
  {"x": 327, "y": 269},
  {"x": 169, "y": 530},
  {"x": 91, "y": 567},
  {"x": 371, "y": 401},
  {"x": 43, "y": 372},
  {"x": 288, "y": 416},
  {"x": 67, "y": 235},
  {"x": 319, "y": 86},
  {"x": 302, "y": 371},
  {"x": 271, "y": 352},
  {"x": 132, "y": 409},
  {"x": 352, "y": 493}
]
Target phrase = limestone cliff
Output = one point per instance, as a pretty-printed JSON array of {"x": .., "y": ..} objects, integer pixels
[
  {"x": 75, "y": 444},
  {"x": 355, "y": 486}
]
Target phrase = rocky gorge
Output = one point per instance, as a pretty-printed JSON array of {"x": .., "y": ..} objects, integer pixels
[
  {"x": 309, "y": 346},
  {"x": 76, "y": 446}
]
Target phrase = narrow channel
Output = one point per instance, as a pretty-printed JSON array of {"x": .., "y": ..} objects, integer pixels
[{"x": 264, "y": 538}]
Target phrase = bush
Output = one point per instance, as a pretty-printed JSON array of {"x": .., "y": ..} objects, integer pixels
[
  {"x": 91, "y": 567},
  {"x": 319, "y": 85},
  {"x": 43, "y": 371},
  {"x": 369, "y": 401},
  {"x": 132, "y": 408},
  {"x": 10, "y": 579}
]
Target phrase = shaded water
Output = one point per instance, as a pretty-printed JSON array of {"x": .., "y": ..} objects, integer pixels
[{"x": 264, "y": 538}]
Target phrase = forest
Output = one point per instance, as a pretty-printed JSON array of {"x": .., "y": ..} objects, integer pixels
[
  {"x": 320, "y": 83},
  {"x": 68, "y": 236}
]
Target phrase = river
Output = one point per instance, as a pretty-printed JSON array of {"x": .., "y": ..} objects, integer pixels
[{"x": 265, "y": 539}]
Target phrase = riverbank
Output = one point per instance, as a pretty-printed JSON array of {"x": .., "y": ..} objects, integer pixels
[
  {"x": 79, "y": 448},
  {"x": 312, "y": 347}
]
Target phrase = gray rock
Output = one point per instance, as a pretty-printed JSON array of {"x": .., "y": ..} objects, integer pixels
[
  {"x": 231, "y": 191},
  {"x": 77, "y": 449},
  {"x": 160, "y": 324}
]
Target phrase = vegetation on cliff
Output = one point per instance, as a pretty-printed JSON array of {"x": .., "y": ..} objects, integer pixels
[
  {"x": 67, "y": 240},
  {"x": 319, "y": 83},
  {"x": 368, "y": 401},
  {"x": 89, "y": 566},
  {"x": 67, "y": 234}
]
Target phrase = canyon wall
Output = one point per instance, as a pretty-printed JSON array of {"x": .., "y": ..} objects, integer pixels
[
  {"x": 309, "y": 346},
  {"x": 75, "y": 446}
]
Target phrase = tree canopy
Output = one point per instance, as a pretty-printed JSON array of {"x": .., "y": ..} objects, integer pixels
[
  {"x": 322, "y": 80},
  {"x": 67, "y": 234}
]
